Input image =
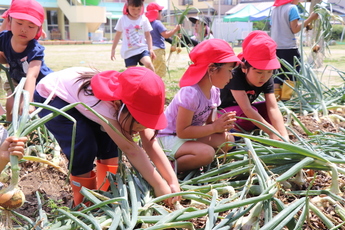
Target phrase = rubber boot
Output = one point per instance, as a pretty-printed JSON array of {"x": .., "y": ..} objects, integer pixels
[
  {"x": 102, "y": 180},
  {"x": 277, "y": 93},
  {"x": 78, "y": 182},
  {"x": 287, "y": 90}
]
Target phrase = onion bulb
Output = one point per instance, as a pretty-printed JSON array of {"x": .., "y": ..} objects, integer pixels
[{"x": 11, "y": 198}]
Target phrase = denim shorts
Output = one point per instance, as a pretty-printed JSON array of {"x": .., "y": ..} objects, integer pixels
[
  {"x": 134, "y": 60},
  {"x": 90, "y": 140}
]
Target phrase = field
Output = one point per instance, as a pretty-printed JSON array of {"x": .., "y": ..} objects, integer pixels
[{"x": 50, "y": 183}]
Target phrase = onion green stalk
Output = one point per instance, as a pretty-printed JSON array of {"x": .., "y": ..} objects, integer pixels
[{"x": 12, "y": 197}]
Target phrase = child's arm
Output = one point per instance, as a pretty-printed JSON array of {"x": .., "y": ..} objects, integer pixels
[
  {"x": 158, "y": 157},
  {"x": 296, "y": 26},
  {"x": 31, "y": 77},
  {"x": 11, "y": 146},
  {"x": 168, "y": 34},
  {"x": 185, "y": 130},
  {"x": 242, "y": 100},
  {"x": 117, "y": 38},
  {"x": 275, "y": 116},
  {"x": 138, "y": 158},
  {"x": 149, "y": 44}
]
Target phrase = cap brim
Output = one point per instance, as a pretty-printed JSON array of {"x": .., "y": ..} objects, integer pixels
[
  {"x": 193, "y": 19},
  {"x": 152, "y": 15},
  {"x": 265, "y": 65},
  {"x": 193, "y": 75},
  {"x": 30, "y": 18},
  {"x": 152, "y": 121}
]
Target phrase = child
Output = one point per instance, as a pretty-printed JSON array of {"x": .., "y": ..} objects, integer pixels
[
  {"x": 135, "y": 28},
  {"x": 284, "y": 26},
  {"x": 192, "y": 134},
  {"x": 132, "y": 101},
  {"x": 10, "y": 146},
  {"x": 252, "y": 77},
  {"x": 158, "y": 34},
  {"x": 20, "y": 47},
  {"x": 202, "y": 30}
]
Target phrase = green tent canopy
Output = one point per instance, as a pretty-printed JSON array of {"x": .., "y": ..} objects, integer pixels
[{"x": 242, "y": 15}]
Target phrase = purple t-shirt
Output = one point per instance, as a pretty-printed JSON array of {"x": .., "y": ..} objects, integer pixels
[
  {"x": 193, "y": 99},
  {"x": 157, "y": 38}
]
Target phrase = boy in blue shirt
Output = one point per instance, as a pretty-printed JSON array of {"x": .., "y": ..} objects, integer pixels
[{"x": 158, "y": 33}]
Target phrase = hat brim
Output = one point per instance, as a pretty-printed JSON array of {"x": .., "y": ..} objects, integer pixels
[
  {"x": 152, "y": 15},
  {"x": 195, "y": 73},
  {"x": 151, "y": 121},
  {"x": 266, "y": 64},
  {"x": 30, "y": 18}
]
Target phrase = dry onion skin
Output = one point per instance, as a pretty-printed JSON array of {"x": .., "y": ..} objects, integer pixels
[{"x": 12, "y": 199}]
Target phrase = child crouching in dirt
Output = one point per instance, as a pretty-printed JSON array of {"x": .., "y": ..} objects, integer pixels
[
  {"x": 131, "y": 101},
  {"x": 252, "y": 77},
  {"x": 193, "y": 133}
]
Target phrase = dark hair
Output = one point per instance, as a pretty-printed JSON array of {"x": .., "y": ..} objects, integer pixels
[
  {"x": 245, "y": 64},
  {"x": 135, "y": 3},
  {"x": 128, "y": 116},
  {"x": 85, "y": 87}
]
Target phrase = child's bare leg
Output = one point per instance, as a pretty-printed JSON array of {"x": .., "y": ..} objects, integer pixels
[
  {"x": 192, "y": 155},
  {"x": 218, "y": 140},
  {"x": 146, "y": 61}
]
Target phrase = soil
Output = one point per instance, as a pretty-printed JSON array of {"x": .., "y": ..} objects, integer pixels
[{"x": 54, "y": 190}]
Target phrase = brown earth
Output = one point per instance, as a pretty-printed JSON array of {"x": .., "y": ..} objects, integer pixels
[{"x": 54, "y": 190}]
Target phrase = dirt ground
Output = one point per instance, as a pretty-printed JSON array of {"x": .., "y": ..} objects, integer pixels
[{"x": 55, "y": 191}]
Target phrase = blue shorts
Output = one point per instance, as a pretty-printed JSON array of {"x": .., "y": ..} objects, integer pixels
[
  {"x": 134, "y": 60},
  {"x": 90, "y": 141}
]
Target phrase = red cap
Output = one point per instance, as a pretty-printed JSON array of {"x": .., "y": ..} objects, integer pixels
[
  {"x": 154, "y": 6},
  {"x": 205, "y": 53},
  {"x": 29, "y": 10},
  {"x": 152, "y": 11},
  {"x": 281, "y": 2},
  {"x": 139, "y": 88},
  {"x": 5, "y": 14},
  {"x": 259, "y": 50}
]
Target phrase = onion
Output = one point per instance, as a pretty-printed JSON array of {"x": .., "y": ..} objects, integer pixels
[{"x": 12, "y": 199}]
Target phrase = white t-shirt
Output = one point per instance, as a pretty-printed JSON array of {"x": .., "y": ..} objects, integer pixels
[
  {"x": 133, "y": 35},
  {"x": 66, "y": 87}
]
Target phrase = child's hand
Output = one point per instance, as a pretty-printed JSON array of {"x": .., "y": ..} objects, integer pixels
[
  {"x": 152, "y": 54},
  {"x": 112, "y": 56},
  {"x": 13, "y": 146},
  {"x": 177, "y": 28},
  {"x": 165, "y": 189},
  {"x": 171, "y": 201},
  {"x": 225, "y": 122}
]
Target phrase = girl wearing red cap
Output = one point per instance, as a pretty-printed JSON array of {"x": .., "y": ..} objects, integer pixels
[
  {"x": 284, "y": 25},
  {"x": 134, "y": 28},
  {"x": 21, "y": 49},
  {"x": 131, "y": 101},
  {"x": 250, "y": 79},
  {"x": 158, "y": 34},
  {"x": 193, "y": 134}
]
